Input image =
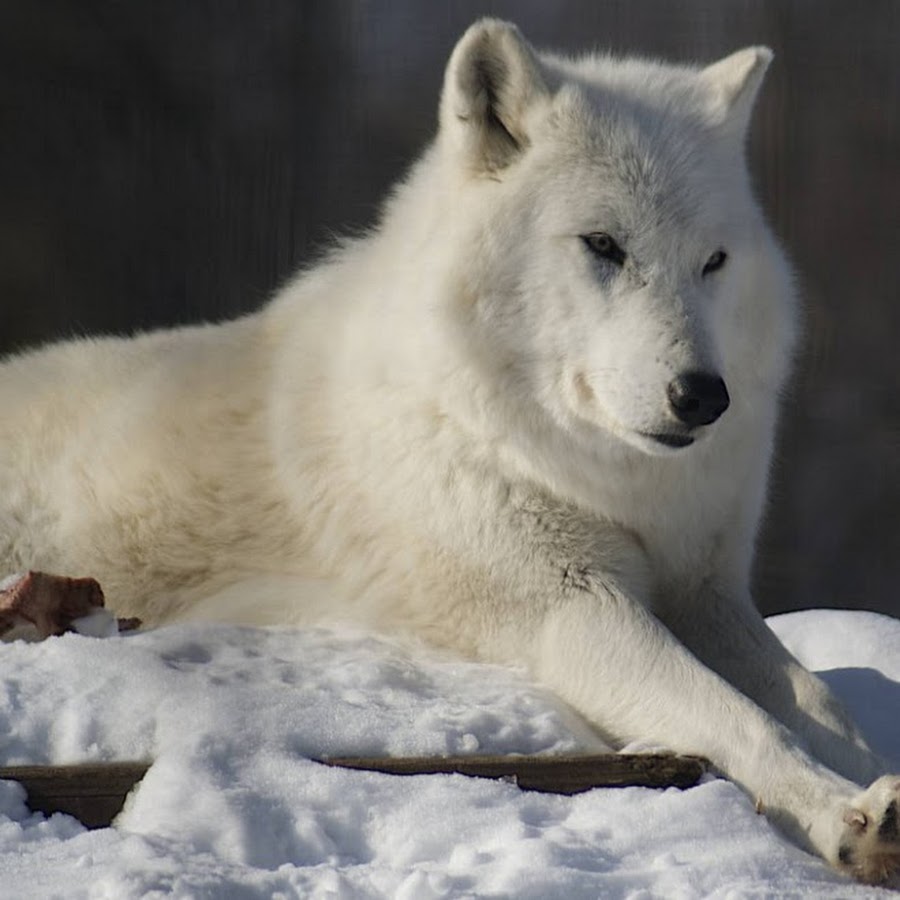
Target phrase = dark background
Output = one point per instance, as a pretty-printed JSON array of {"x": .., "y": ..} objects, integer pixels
[{"x": 164, "y": 161}]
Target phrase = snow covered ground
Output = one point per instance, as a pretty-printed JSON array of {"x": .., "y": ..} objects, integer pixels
[{"x": 233, "y": 808}]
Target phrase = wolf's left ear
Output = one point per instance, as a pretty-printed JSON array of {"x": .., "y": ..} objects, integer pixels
[
  {"x": 492, "y": 83},
  {"x": 732, "y": 84}
]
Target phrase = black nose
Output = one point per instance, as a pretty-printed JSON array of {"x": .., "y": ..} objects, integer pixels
[{"x": 697, "y": 398}]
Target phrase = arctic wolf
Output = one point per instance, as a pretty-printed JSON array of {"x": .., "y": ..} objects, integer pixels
[{"x": 529, "y": 417}]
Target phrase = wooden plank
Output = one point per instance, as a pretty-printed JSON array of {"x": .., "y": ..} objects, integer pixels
[
  {"x": 551, "y": 774},
  {"x": 92, "y": 792}
]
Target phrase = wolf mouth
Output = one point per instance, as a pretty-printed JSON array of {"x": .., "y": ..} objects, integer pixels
[{"x": 670, "y": 439}]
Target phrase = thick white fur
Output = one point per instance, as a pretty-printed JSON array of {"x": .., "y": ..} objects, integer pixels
[{"x": 441, "y": 429}]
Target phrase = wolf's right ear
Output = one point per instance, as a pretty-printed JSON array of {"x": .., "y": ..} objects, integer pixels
[{"x": 492, "y": 82}]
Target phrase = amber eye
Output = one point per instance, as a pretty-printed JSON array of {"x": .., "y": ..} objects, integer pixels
[
  {"x": 715, "y": 262},
  {"x": 602, "y": 245}
]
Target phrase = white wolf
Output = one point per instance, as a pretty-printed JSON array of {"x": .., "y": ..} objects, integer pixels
[{"x": 529, "y": 417}]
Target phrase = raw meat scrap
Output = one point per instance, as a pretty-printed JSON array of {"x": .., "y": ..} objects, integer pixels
[{"x": 51, "y": 603}]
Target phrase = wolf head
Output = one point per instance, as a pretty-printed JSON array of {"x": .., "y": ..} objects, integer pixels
[{"x": 620, "y": 277}]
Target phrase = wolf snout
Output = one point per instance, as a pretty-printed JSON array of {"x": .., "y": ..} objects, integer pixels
[{"x": 697, "y": 398}]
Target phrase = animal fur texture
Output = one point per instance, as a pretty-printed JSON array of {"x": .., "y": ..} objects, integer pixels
[{"x": 529, "y": 417}]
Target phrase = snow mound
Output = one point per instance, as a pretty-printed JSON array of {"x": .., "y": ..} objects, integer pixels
[{"x": 233, "y": 806}]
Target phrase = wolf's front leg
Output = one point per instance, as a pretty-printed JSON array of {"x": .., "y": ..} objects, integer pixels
[
  {"x": 621, "y": 668},
  {"x": 731, "y": 637}
]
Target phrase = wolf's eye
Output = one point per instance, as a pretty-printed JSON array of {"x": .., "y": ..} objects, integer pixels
[
  {"x": 602, "y": 245},
  {"x": 715, "y": 262}
]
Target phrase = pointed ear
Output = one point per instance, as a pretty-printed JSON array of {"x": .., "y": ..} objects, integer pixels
[
  {"x": 732, "y": 84},
  {"x": 492, "y": 82}
]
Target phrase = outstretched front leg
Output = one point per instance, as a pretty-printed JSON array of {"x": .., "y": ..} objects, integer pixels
[
  {"x": 618, "y": 665},
  {"x": 573, "y": 603},
  {"x": 731, "y": 637}
]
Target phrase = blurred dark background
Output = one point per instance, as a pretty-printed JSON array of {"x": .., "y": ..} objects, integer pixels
[{"x": 165, "y": 161}]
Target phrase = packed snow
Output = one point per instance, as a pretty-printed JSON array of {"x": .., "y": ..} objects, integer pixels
[{"x": 233, "y": 806}]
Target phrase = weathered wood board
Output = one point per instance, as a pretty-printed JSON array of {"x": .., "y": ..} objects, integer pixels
[
  {"x": 550, "y": 774},
  {"x": 94, "y": 793}
]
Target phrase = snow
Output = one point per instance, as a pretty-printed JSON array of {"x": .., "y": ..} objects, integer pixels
[{"x": 233, "y": 806}]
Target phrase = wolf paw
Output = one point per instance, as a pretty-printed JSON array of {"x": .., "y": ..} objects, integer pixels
[{"x": 869, "y": 847}]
